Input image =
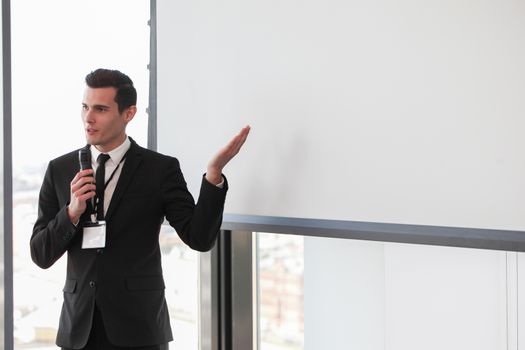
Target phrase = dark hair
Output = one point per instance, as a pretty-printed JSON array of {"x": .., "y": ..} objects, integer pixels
[{"x": 126, "y": 95}]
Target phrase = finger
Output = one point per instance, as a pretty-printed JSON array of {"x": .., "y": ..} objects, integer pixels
[
  {"x": 83, "y": 181},
  {"x": 232, "y": 147},
  {"x": 86, "y": 172},
  {"x": 83, "y": 193},
  {"x": 79, "y": 190},
  {"x": 243, "y": 134},
  {"x": 81, "y": 174},
  {"x": 236, "y": 143},
  {"x": 86, "y": 196},
  {"x": 246, "y": 129},
  {"x": 81, "y": 200}
]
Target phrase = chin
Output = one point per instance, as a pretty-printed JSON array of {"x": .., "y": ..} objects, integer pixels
[{"x": 92, "y": 141}]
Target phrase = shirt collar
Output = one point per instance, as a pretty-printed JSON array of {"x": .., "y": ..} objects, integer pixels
[{"x": 115, "y": 155}]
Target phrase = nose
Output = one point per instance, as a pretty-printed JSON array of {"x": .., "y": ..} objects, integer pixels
[{"x": 87, "y": 116}]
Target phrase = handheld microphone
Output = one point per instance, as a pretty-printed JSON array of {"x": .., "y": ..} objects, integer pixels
[
  {"x": 84, "y": 158},
  {"x": 84, "y": 161}
]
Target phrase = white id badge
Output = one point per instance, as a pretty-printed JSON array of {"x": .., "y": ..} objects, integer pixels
[{"x": 94, "y": 235}]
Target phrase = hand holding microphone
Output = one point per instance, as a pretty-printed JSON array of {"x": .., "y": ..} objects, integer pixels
[{"x": 82, "y": 187}]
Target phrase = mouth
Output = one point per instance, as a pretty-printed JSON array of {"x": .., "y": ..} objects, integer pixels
[{"x": 91, "y": 131}]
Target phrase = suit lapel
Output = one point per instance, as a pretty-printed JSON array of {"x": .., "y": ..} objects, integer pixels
[{"x": 133, "y": 160}]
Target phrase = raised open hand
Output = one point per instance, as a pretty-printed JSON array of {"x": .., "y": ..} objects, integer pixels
[{"x": 225, "y": 154}]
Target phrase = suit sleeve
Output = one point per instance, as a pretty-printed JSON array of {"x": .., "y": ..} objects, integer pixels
[
  {"x": 53, "y": 231},
  {"x": 198, "y": 224}
]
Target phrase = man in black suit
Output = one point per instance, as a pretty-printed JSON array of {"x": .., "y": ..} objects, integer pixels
[{"x": 114, "y": 289}]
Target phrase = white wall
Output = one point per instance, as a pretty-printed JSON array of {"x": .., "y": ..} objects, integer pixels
[{"x": 404, "y": 112}]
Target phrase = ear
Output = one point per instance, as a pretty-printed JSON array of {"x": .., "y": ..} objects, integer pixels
[{"x": 129, "y": 113}]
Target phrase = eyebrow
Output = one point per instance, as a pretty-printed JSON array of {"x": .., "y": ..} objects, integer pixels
[{"x": 96, "y": 106}]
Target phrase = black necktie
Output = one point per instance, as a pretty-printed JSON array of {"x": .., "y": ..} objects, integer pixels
[{"x": 100, "y": 178}]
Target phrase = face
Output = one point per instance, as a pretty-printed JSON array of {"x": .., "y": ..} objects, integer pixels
[{"x": 104, "y": 126}]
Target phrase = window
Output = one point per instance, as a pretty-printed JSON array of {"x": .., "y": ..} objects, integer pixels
[
  {"x": 318, "y": 292},
  {"x": 281, "y": 291},
  {"x": 54, "y": 45}
]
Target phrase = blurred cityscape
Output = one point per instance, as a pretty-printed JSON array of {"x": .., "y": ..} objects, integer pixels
[
  {"x": 281, "y": 296},
  {"x": 36, "y": 314}
]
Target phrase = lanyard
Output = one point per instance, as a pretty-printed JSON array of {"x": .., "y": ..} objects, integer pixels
[{"x": 114, "y": 171}]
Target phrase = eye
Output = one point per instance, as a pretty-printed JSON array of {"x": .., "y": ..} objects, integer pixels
[
  {"x": 84, "y": 107},
  {"x": 101, "y": 109}
]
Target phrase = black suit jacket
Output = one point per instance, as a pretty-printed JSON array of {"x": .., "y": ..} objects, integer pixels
[{"x": 125, "y": 278}]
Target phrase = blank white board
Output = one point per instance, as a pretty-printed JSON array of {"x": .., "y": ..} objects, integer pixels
[{"x": 383, "y": 111}]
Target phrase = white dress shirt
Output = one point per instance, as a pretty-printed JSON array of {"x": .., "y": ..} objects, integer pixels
[{"x": 112, "y": 163}]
